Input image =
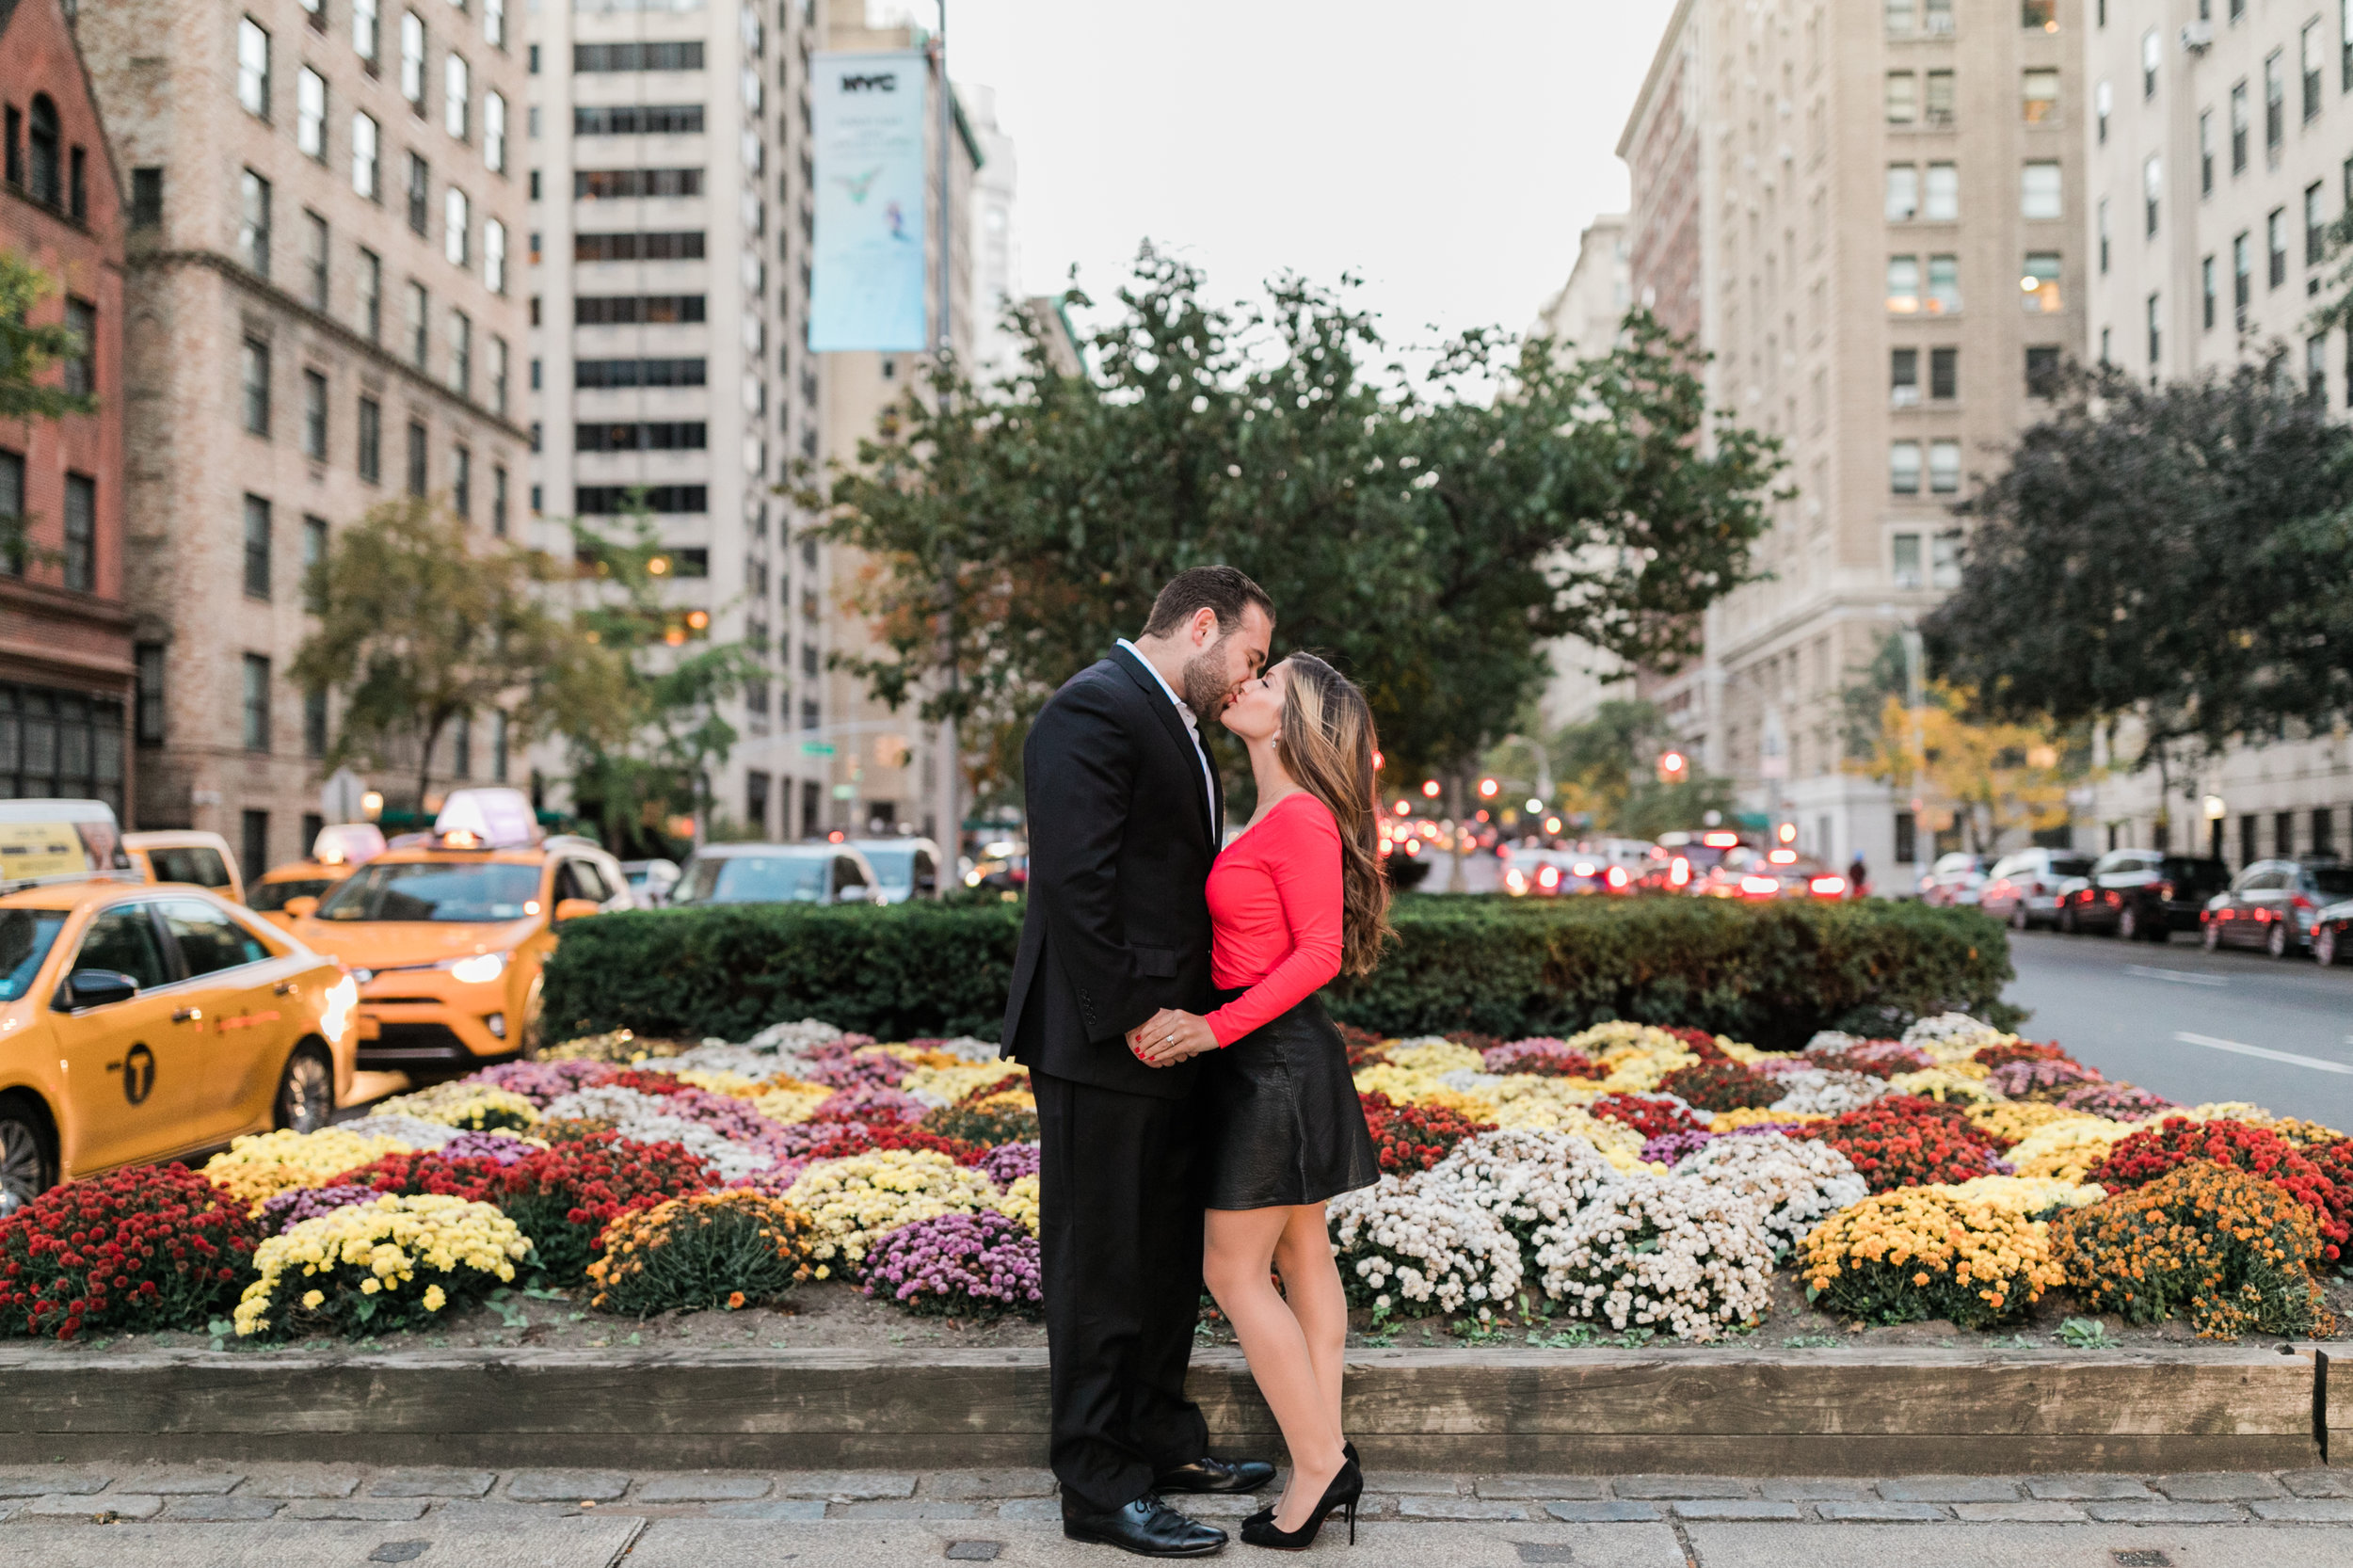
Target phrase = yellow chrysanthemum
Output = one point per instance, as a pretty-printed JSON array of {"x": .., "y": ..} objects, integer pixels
[
  {"x": 257, "y": 1167},
  {"x": 1434, "y": 1055}
]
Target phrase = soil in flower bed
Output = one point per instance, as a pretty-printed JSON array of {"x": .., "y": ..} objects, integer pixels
[{"x": 837, "y": 1317}]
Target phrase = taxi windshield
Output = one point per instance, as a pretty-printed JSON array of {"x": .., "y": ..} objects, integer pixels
[
  {"x": 754, "y": 879},
  {"x": 436, "y": 890},
  {"x": 25, "y": 938},
  {"x": 271, "y": 896}
]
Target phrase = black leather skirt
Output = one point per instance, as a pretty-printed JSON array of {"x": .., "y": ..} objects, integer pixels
[{"x": 1283, "y": 1124}]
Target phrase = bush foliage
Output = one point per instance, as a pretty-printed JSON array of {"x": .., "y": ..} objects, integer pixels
[{"x": 1772, "y": 974}]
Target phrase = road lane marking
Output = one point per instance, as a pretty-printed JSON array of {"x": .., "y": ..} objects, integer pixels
[
  {"x": 2180, "y": 977},
  {"x": 2290, "y": 1057}
]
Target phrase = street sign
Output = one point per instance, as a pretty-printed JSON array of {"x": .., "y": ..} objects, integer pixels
[
  {"x": 817, "y": 748},
  {"x": 339, "y": 797}
]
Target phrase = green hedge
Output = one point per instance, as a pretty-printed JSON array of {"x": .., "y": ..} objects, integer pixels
[{"x": 1771, "y": 974}]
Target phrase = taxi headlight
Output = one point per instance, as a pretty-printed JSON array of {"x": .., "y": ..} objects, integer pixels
[
  {"x": 475, "y": 971},
  {"x": 341, "y": 1002}
]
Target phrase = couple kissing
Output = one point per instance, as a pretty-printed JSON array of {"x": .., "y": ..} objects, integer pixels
[{"x": 1194, "y": 1103}]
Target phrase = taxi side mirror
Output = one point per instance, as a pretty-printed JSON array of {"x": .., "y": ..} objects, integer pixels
[
  {"x": 299, "y": 908},
  {"x": 576, "y": 909},
  {"x": 99, "y": 988}
]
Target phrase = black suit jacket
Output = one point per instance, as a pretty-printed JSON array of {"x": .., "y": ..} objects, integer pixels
[{"x": 1121, "y": 838}]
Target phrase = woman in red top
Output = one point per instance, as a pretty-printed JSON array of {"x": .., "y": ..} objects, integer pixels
[{"x": 1296, "y": 899}]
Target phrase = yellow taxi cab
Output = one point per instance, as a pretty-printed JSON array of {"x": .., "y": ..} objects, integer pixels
[
  {"x": 183, "y": 855},
  {"x": 340, "y": 849},
  {"x": 140, "y": 1022},
  {"x": 447, "y": 938}
]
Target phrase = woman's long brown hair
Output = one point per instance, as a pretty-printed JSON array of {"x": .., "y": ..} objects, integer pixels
[{"x": 1326, "y": 744}]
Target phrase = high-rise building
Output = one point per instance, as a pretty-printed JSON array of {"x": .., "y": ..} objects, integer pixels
[
  {"x": 324, "y": 309},
  {"x": 1871, "y": 217},
  {"x": 66, "y": 663},
  {"x": 2219, "y": 150},
  {"x": 669, "y": 274}
]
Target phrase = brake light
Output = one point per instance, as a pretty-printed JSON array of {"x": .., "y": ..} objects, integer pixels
[
  {"x": 1617, "y": 879},
  {"x": 2165, "y": 889},
  {"x": 2300, "y": 901},
  {"x": 1827, "y": 886},
  {"x": 1760, "y": 886},
  {"x": 1679, "y": 873}
]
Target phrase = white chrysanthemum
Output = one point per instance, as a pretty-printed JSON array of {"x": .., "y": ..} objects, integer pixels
[
  {"x": 1470, "y": 1081},
  {"x": 1797, "y": 1179},
  {"x": 645, "y": 1119},
  {"x": 1425, "y": 1240},
  {"x": 1822, "y": 1092},
  {"x": 415, "y": 1131},
  {"x": 1669, "y": 1253},
  {"x": 1826, "y": 1041},
  {"x": 794, "y": 1038},
  {"x": 1951, "y": 1037},
  {"x": 1527, "y": 1178}
]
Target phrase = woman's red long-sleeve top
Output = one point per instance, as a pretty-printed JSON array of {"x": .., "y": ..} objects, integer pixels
[{"x": 1275, "y": 906}]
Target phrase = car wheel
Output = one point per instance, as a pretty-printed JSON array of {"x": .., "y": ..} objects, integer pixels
[
  {"x": 2128, "y": 923},
  {"x": 2018, "y": 921},
  {"x": 29, "y": 1153},
  {"x": 2214, "y": 934},
  {"x": 2067, "y": 920},
  {"x": 2324, "y": 947},
  {"x": 2276, "y": 940},
  {"x": 533, "y": 1031},
  {"x": 306, "y": 1091}
]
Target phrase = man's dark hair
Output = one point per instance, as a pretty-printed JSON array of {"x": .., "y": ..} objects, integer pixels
[{"x": 1225, "y": 589}]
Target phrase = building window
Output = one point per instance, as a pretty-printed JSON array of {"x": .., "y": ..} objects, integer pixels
[
  {"x": 2040, "y": 15},
  {"x": 371, "y": 295},
  {"x": 253, "y": 223},
  {"x": 1943, "y": 374},
  {"x": 2276, "y": 236},
  {"x": 315, "y": 723},
  {"x": 412, "y": 59},
  {"x": 1943, "y": 285},
  {"x": 1904, "y": 97},
  {"x": 1945, "y": 552},
  {"x": 253, "y": 67},
  {"x": 498, "y": 500},
  {"x": 457, "y": 97},
  {"x": 366, "y": 32},
  {"x": 2043, "y": 370},
  {"x": 420, "y": 185},
  {"x": 12, "y": 506},
  {"x": 2239, "y": 127},
  {"x": 1903, "y": 285},
  {"x": 494, "y": 255},
  {"x": 498, "y": 374},
  {"x": 416, "y": 458},
  {"x": 314, "y": 416},
  {"x": 2156, "y": 339},
  {"x": 420, "y": 330},
  {"x": 1944, "y": 468},
  {"x": 494, "y": 133},
  {"x": 2152, "y": 55},
  {"x": 256, "y": 387},
  {"x": 1939, "y": 109},
  {"x": 315, "y": 257},
  {"x": 1903, "y": 467},
  {"x": 371, "y": 443},
  {"x": 81, "y": 533},
  {"x": 2042, "y": 96},
  {"x": 2152, "y": 190},
  {"x": 457, "y": 226},
  {"x": 45, "y": 139},
  {"x": 462, "y": 747},
  {"x": 2040, "y": 283},
  {"x": 80, "y": 367},
  {"x": 1903, "y": 377},
  {"x": 460, "y": 354},
  {"x": 147, "y": 197},
  {"x": 2316, "y": 227},
  {"x": 2205, "y": 294},
  {"x": 314, "y": 564},
  {"x": 365, "y": 170},
  {"x": 1943, "y": 194},
  {"x": 2102, "y": 102},
  {"x": 461, "y": 481},
  {"x": 1906, "y": 561},
  {"x": 2206, "y": 153},
  {"x": 2310, "y": 44},
  {"x": 2038, "y": 193},
  {"x": 255, "y": 837},
  {"x": 1903, "y": 193},
  {"x": 2247, "y": 852},
  {"x": 256, "y": 548},
  {"x": 2275, "y": 103},
  {"x": 2241, "y": 277},
  {"x": 498, "y": 746},
  {"x": 2099, "y": 226},
  {"x": 148, "y": 696},
  {"x": 2104, "y": 357}
]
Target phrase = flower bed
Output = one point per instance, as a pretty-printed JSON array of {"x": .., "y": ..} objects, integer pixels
[{"x": 131, "y": 1250}]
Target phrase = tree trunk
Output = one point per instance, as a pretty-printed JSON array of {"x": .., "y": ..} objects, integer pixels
[{"x": 424, "y": 760}]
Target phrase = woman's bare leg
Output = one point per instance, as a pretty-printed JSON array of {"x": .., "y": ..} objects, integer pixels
[
  {"x": 1311, "y": 1288},
  {"x": 1239, "y": 1249}
]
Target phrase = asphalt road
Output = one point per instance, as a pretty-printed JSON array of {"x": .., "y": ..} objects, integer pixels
[{"x": 2195, "y": 1026}]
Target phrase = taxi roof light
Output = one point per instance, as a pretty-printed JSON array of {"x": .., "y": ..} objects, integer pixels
[
  {"x": 495, "y": 817},
  {"x": 349, "y": 843}
]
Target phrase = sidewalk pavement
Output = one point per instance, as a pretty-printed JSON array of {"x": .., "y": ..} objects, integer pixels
[{"x": 329, "y": 1516}]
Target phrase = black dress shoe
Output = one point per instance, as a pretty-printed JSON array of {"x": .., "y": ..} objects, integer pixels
[
  {"x": 1207, "y": 1474},
  {"x": 1149, "y": 1528}
]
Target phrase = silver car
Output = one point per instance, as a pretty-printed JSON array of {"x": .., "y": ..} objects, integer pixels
[
  {"x": 910, "y": 868},
  {"x": 776, "y": 873}
]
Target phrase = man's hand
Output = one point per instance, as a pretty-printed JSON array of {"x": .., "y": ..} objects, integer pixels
[{"x": 1170, "y": 1037}]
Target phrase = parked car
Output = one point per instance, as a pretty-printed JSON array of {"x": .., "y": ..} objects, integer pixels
[
  {"x": 776, "y": 873},
  {"x": 2141, "y": 894},
  {"x": 1956, "y": 879},
  {"x": 2332, "y": 934},
  {"x": 180, "y": 855},
  {"x": 2277, "y": 905},
  {"x": 650, "y": 881},
  {"x": 907, "y": 867},
  {"x": 2023, "y": 887}
]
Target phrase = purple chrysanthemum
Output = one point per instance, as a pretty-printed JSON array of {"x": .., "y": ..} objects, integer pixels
[
  {"x": 485, "y": 1145},
  {"x": 958, "y": 1263},
  {"x": 871, "y": 1103},
  {"x": 1009, "y": 1162},
  {"x": 541, "y": 1081},
  {"x": 290, "y": 1209},
  {"x": 1666, "y": 1150},
  {"x": 2118, "y": 1102}
]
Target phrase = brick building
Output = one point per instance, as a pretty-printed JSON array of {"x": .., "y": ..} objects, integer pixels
[
  {"x": 65, "y": 638},
  {"x": 325, "y": 262}
]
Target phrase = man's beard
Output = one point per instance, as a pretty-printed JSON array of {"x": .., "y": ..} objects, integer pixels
[{"x": 1206, "y": 683}]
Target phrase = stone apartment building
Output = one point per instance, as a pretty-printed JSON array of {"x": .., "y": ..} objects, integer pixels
[
  {"x": 2217, "y": 151},
  {"x": 669, "y": 266},
  {"x": 65, "y": 636},
  {"x": 1879, "y": 210},
  {"x": 324, "y": 311}
]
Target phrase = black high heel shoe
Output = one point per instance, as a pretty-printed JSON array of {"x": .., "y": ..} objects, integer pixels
[{"x": 1345, "y": 1489}]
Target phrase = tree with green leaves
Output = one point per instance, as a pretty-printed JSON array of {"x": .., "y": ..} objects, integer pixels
[
  {"x": 423, "y": 624},
  {"x": 28, "y": 355},
  {"x": 2177, "y": 553},
  {"x": 1607, "y": 767},
  {"x": 1428, "y": 535}
]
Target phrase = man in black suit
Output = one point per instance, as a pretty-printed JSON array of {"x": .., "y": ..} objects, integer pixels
[{"x": 1125, "y": 817}]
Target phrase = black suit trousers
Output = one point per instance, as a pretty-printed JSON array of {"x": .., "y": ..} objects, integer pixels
[{"x": 1119, "y": 1231}]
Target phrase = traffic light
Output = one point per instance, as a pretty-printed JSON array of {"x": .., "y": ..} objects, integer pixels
[
  {"x": 1673, "y": 767},
  {"x": 1488, "y": 788}
]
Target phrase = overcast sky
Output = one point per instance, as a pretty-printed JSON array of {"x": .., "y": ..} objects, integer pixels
[{"x": 1447, "y": 152}]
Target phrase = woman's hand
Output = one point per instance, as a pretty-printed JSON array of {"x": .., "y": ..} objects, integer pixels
[{"x": 1170, "y": 1037}]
